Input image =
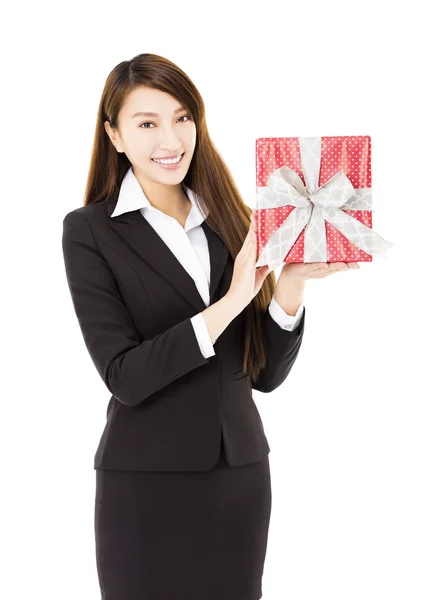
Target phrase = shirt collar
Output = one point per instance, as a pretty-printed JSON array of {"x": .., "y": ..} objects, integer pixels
[{"x": 132, "y": 197}]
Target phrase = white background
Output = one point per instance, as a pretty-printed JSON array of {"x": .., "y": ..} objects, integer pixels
[{"x": 351, "y": 429}]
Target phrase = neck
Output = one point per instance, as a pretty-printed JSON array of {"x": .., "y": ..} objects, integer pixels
[{"x": 170, "y": 199}]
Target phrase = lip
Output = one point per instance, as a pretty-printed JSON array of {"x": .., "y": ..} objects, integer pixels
[
  {"x": 172, "y": 167},
  {"x": 166, "y": 157}
]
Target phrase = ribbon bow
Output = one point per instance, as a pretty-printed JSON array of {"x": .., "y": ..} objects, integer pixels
[{"x": 313, "y": 206}]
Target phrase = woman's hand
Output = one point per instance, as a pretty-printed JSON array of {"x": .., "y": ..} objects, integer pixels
[
  {"x": 247, "y": 280},
  {"x": 318, "y": 270}
]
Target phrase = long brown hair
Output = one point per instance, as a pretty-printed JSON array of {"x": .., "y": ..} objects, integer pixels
[{"x": 207, "y": 176}]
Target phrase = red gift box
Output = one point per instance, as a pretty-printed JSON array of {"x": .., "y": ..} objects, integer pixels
[{"x": 314, "y": 200}]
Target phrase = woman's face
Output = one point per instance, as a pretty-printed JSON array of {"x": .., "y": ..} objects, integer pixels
[{"x": 143, "y": 137}]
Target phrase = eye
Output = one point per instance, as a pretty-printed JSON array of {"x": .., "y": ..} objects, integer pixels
[{"x": 149, "y": 122}]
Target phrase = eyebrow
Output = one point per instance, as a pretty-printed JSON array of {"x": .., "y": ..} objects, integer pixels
[{"x": 152, "y": 114}]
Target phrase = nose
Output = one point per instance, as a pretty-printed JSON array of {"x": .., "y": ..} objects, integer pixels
[{"x": 169, "y": 141}]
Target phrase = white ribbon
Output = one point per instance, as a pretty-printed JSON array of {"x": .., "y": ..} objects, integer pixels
[{"x": 313, "y": 206}]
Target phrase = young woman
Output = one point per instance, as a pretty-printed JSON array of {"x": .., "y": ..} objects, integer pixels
[{"x": 181, "y": 326}]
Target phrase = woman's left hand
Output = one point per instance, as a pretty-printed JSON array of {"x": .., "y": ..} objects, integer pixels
[
  {"x": 318, "y": 270},
  {"x": 301, "y": 271}
]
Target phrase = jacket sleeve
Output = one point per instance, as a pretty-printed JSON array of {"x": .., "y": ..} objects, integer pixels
[
  {"x": 282, "y": 347},
  {"x": 288, "y": 322},
  {"x": 131, "y": 369}
]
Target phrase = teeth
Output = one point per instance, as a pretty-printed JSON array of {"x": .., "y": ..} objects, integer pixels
[{"x": 168, "y": 162}]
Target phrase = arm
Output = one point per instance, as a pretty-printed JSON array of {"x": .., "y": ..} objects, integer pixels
[
  {"x": 282, "y": 342},
  {"x": 276, "y": 313},
  {"x": 288, "y": 322},
  {"x": 203, "y": 337},
  {"x": 132, "y": 370},
  {"x": 282, "y": 348}
]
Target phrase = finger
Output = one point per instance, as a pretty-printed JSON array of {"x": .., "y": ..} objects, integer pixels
[
  {"x": 247, "y": 239},
  {"x": 248, "y": 248},
  {"x": 323, "y": 275},
  {"x": 253, "y": 246},
  {"x": 334, "y": 267},
  {"x": 263, "y": 271},
  {"x": 253, "y": 221},
  {"x": 333, "y": 271},
  {"x": 318, "y": 266},
  {"x": 320, "y": 273}
]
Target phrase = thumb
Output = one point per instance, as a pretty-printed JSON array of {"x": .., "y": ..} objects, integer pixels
[{"x": 264, "y": 271}]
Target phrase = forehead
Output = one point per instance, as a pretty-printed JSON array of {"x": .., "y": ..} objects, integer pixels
[{"x": 143, "y": 98}]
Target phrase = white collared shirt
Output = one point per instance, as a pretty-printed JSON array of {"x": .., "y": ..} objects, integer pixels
[{"x": 190, "y": 246}]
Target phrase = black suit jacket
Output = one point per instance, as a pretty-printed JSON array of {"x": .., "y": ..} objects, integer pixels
[{"x": 134, "y": 301}]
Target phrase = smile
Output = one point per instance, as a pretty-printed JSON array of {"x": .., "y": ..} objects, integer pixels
[{"x": 172, "y": 161}]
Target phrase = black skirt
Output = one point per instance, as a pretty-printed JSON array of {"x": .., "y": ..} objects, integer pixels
[{"x": 183, "y": 535}]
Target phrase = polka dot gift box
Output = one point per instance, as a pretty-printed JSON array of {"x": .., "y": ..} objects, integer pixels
[{"x": 314, "y": 201}]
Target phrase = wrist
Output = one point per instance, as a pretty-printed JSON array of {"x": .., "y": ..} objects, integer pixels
[
  {"x": 288, "y": 293},
  {"x": 290, "y": 275},
  {"x": 232, "y": 303}
]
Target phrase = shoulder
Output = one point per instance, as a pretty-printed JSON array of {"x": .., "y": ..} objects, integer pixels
[
  {"x": 86, "y": 222},
  {"x": 92, "y": 213}
]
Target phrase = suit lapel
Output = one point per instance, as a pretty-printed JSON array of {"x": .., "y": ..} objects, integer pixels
[{"x": 144, "y": 240}]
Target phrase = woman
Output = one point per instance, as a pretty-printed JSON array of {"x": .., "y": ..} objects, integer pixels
[{"x": 181, "y": 326}]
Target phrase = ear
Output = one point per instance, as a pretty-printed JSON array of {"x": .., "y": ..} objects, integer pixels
[{"x": 112, "y": 136}]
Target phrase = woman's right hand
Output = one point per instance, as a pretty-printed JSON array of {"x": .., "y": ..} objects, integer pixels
[{"x": 247, "y": 280}]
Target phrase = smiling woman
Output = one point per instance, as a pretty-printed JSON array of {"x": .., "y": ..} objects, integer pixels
[
  {"x": 169, "y": 139},
  {"x": 183, "y": 491},
  {"x": 152, "y": 87}
]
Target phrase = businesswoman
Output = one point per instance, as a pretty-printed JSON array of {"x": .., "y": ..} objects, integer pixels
[{"x": 181, "y": 326}]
